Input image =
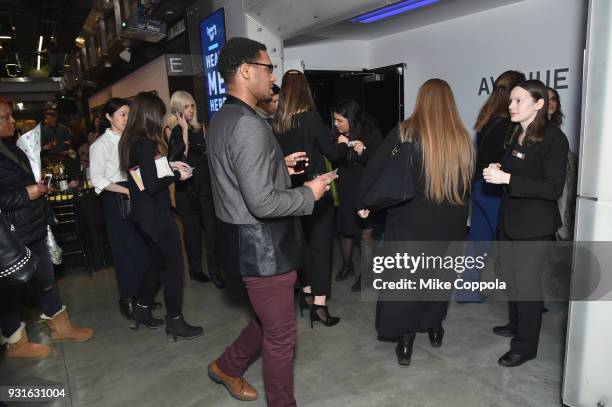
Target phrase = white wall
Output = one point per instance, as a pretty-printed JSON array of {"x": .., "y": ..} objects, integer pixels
[
  {"x": 530, "y": 36},
  {"x": 332, "y": 55},
  {"x": 152, "y": 76}
]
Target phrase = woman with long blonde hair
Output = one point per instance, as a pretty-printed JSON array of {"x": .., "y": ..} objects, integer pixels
[
  {"x": 186, "y": 142},
  {"x": 440, "y": 160}
]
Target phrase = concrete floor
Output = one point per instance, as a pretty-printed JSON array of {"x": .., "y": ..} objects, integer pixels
[{"x": 339, "y": 366}]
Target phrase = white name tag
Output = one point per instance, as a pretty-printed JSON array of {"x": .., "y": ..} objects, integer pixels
[{"x": 518, "y": 154}]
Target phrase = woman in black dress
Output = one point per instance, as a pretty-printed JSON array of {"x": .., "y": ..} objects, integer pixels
[
  {"x": 441, "y": 164},
  {"x": 532, "y": 174},
  {"x": 355, "y": 127},
  {"x": 299, "y": 128},
  {"x": 194, "y": 203},
  {"x": 140, "y": 147}
]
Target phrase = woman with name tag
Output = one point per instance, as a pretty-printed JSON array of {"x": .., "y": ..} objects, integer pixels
[
  {"x": 194, "y": 202},
  {"x": 532, "y": 173},
  {"x": 142, "y": 155},
  {"x": 130, "y": 253},
  {"x": 440, "y": 160}
]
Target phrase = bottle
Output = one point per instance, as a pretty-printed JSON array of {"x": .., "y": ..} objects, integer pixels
[{"x": 62, "y": 179}]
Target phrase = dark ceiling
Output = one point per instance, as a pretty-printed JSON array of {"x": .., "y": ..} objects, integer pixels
[{"x": 61, "y": 19}]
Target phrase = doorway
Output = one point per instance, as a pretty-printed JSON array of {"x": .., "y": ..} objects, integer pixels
[{"x": 379, "y": 91}]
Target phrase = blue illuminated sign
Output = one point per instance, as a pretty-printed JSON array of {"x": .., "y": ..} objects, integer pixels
[{"x": 212, "y": 34}]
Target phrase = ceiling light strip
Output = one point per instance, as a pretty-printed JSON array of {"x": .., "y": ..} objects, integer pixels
[{"x": 392, "y": 10}]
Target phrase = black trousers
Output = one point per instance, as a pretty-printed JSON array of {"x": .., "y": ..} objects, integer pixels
[
  {"x": 194, "y": 215},
  {"x": 522, "y": 265},
  {"x": 318, "y": 231},
  {"x": 166, "y": 264},
  {"x": 43, "y": 281},
  {"x": 130, "y": 253}
]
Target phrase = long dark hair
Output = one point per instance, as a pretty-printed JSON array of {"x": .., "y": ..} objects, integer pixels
[
  {"x": 535, "y": 131},
  {"x": 110, "y": 107},
  {"x": 145, "y": 121},
  {"x": 357, "y": 119},
  {"x": 294, "y": 98},
  {"x": 557, "y": 117},
  {"x": 497, "y": 103}
]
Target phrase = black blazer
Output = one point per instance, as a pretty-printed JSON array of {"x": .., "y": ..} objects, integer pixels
[
  {"x": 197, "y": 157},
  {"x": 155, "y": 199},
  {"x": 529, "y": 203}
]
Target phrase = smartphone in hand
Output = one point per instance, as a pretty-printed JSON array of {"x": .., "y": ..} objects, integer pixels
[{"x": 47, "y": 180}]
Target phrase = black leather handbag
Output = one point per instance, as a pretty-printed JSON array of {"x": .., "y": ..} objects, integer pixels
[
  {"x": 394, "y": 184},
  {"x": 17, "y": 262}
]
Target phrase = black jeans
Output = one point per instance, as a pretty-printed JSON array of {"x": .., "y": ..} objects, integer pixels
[
  {"x": 130, "y": 253},
  {"x": 318, "y": 232},
  {"x": 166, "y": 262},
  {"x": 43, "y": 282},
  {"x": 194, "y": 215}
]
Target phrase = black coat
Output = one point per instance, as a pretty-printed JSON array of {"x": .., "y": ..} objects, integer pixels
[
  {"x": 529, "y": 203},
  {"x": 147, "y": 204},
  {"x": 30, "y": 218}
]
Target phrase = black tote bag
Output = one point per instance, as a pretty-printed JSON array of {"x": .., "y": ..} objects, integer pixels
[{"x": 394, "y": 184}]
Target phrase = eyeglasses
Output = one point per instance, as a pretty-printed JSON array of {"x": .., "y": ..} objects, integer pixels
[{"x": 269, "y": 66}]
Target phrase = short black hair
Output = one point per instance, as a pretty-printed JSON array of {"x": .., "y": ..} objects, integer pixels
[
  {"x": 275, "y": 89},
  {"x": 236, "y": 52}
]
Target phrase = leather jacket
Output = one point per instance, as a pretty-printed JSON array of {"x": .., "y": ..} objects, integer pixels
[{"x": 30, "y": 218}]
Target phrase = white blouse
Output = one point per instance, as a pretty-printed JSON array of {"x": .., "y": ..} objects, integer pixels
[{"x": 104, "y": 161}]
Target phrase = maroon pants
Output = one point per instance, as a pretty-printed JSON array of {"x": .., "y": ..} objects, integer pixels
[{"x": 274, "y": 334}]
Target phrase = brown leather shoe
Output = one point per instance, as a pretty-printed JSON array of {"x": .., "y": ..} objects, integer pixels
[{"x": 237, "y": 387}]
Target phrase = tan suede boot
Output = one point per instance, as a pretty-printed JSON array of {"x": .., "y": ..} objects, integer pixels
[
  {"x": 63, "y": 330},
  {"x": 18, "y": 346}
]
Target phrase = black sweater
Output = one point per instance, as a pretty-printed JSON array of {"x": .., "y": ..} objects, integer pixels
[{"x": 310, "y": 135}]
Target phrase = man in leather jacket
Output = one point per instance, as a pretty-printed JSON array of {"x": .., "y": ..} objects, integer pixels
[{"x": 259, "y": 232}]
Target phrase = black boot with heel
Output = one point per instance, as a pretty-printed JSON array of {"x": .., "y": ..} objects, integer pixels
[
  {"x": 177, "y": 326},
  {"x": 403, "y": 349},
  {"x": 142, "y": 315}
]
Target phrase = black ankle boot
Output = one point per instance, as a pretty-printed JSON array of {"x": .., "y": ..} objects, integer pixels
[
  {"x": 218, "y": 281},
  {"x": 305, "y": 301},
  {"x": 126, "y": 307},
  {"x": 142, "y": 315},
  {"x": 347, "y": 270},
  {"x": 436, "y": 335},
  {"x": 356, "y": 287},
  {"x": 177, "y": 326},
  {"x": 404, "y": 349},
  {"x": 320, "y": 313}
]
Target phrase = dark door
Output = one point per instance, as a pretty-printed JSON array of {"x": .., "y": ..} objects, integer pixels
[{"x": 380, "y": 92}]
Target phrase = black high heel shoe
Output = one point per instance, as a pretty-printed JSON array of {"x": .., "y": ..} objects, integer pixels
[
  {"x": 320, "y": 313},
  {"x": 142, "y": 315},
  {"x": 305, "y": 301}
]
